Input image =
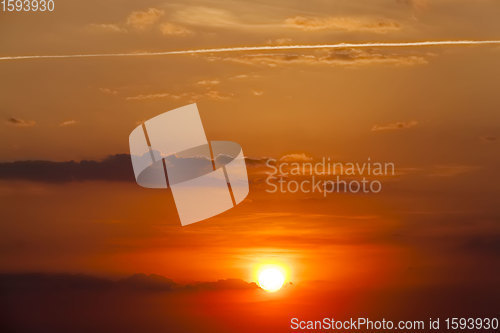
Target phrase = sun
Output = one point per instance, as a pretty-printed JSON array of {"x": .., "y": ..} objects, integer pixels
[{"x": 271, "y": 278}]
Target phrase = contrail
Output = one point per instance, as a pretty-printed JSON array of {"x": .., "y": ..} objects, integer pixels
[{"x": 259, "y": 48}]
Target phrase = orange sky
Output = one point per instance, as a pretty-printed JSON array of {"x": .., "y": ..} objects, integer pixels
[{"x": 432, "y": 111}]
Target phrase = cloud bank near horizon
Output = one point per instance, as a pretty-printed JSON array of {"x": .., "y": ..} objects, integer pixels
[{"x": 136, "y": 282}]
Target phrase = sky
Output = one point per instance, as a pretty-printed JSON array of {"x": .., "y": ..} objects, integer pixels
[{"x": 70, "y": 204}]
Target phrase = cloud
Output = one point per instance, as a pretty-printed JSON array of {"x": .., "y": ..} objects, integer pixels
[
  {"x": 136, "y": 282},
  {"x": 68, "y": 123},
  {"x": 105, "y": 27},
  {"x": 257, "y": 92},
  {"x": 226, "y": 284},
  {"x": 394, "y": 126},
  {"x": 115, "y": 308},
  {"x": 171, "y": 29},
  {"x": 245, "y": 76},
  {"x": 113, "y": 168},
  {"x": 151, "y": 282},
  {"x": 142, "y": 20},
  {"x": 488, "y": 139},
  {"x": 208, "y": 82},
  {"x": 154, "y": 282},
  {"x": 484, "y": 245},
  {"x": 142, "y": 97},
  {"x": 279, "y": 41},
  {"x": 189, "y": 96},
  {"x": 208, "y": 17},
  {"x": 20, "y": 122},
  {"x": 240, "y": 76},
  {"x": 222, "y": 18},
  {"x": 339, "y": 57},
  {"x": 349, "y": 24},
  {"x": 416, "y": 4},
  {"x": 297, "y": 157},
  {"x": 212, "y": 94},
  {"x": 108, "y": 91}
]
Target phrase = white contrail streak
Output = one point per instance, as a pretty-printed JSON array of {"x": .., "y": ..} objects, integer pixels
[{"x": 260, "y": 48}]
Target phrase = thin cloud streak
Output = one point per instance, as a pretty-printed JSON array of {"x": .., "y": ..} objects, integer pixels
[{"x": 262, "y": 48}]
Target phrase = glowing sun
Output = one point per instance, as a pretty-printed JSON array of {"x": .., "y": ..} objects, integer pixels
[{"x": 271, "y": 278}]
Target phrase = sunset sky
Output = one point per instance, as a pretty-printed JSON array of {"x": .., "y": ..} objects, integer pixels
[{"x": 432, "y": 111}]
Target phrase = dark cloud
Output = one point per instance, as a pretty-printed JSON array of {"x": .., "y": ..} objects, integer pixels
[
  {"x": 488, "y": 139},
  {"x": 226, "y": 284},
  {"x": 483, "y": 244},
  {"x": 342, "y": 23},
  {"x": 136, "y": 282},
  {"x": 107, "y": 310},
  {"x": 255, "y": 161},
  {"x": 47, "y": 282},
  {"x": 395, "y": 126},
  {"x": 154, "y": 282},
  {"x": 20, "y": 122},
  {"x": 41, "y": 302},
  {"x": 113, "y": 168},
  {"x": 150, "y": 282}
]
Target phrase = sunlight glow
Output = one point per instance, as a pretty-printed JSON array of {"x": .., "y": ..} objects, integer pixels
[{"x": 271, "y": 278}]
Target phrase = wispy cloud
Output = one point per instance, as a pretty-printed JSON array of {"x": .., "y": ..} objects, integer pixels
[
  {"x": 296, "y": 157},
  {"x": 68, "y": 123},
  {"x": 142, "y": 20},
  {"x": 207, "y": 17},
  {"x": 350, "y": 24},
  {"x": 171, "y": 29},
  {"x": 105, "y": 27},
  {"x": 417, "y": 4},
  {"x": 245, "y": 76},
  {"x": 142, "y": 97},
  {"x": 20, "y": 122},
  {"x": 208, "y": 82},
  {"x": 188, "y": 96},
  {"x": 108, "y": 91},
  {"x": 395, "y": 126},
  {"x": 346, "y": 57},
  {"x": 279, "y": 41}
]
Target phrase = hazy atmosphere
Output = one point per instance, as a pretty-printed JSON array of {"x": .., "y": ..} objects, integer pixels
[{"x": 76, "y": 228}]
